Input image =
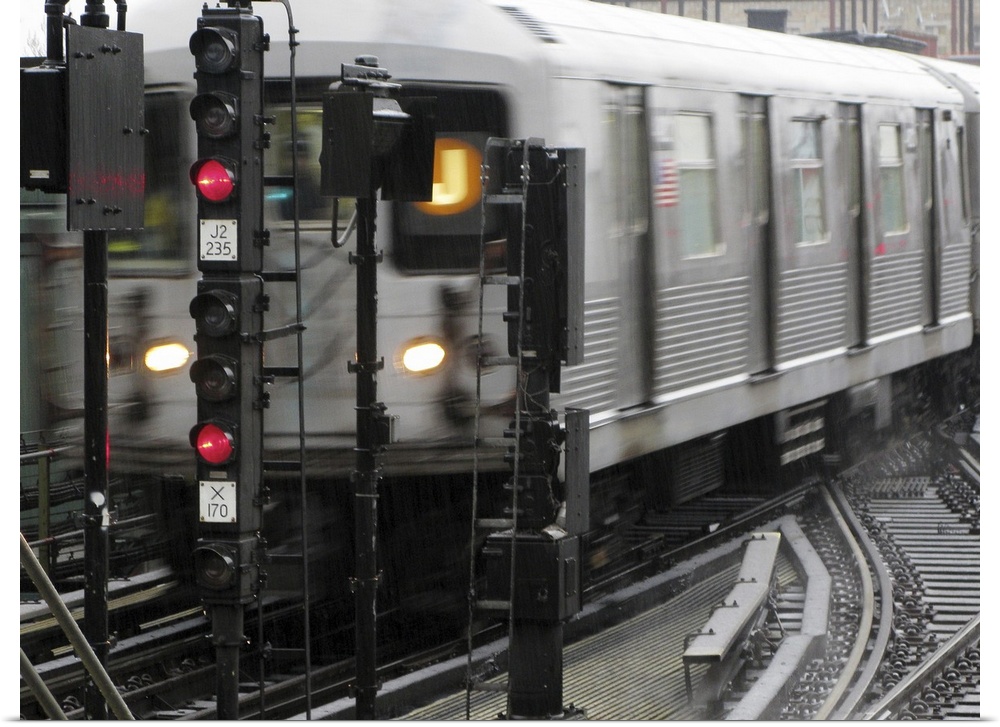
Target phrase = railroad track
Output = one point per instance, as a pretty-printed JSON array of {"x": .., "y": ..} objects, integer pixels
[
  {"x": 914, "y": 514},
  {"x": 920, "y": 509},
  {"x": 925, "y": 490},
  {"x": 881, "y": 657}
]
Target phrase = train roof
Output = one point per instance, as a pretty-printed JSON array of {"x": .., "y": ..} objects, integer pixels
[{"x": 502, "y": 40}]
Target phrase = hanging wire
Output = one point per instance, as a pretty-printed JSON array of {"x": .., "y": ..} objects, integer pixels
[
  {"x": 519, "y": 404},
  {"x": 484, "y": 175},
  {"x": 307, "y": 651}
]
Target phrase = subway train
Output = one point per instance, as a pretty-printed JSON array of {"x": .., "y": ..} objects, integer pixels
[{"x": 781, "y": 259}]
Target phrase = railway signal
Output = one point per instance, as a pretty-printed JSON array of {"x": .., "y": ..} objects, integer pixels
[
  {"x": 552, "y": 329},
  {"x": 228, "y": 112},
  {"x": 227, "y": 438}
]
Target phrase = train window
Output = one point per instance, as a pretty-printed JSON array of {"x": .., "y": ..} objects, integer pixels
[
  {"x": 443, "y": 235},
  {"x": 160, "y": 247},
  {"x": 852, "y": 162},
  {"x": 279, "y": 202},
  {"x": 963, "y": 174},
  {"x": 696, "y": 169},
  {"x": 890, "y": 162},
  {"x": 807, "y": 194},
  {"x": 926, "y": 146},
  {"x": 761, "y": 173},
  {"x": 625, "y": 129}
]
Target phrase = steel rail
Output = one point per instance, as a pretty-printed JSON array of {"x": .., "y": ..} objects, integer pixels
[
  {"x": 727, "y": 530},
  {"x": 904, "y": 690},
  {"x": 842, "y": 513}
]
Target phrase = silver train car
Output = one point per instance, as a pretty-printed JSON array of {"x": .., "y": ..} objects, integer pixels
[{"x": 781, "y": 238}]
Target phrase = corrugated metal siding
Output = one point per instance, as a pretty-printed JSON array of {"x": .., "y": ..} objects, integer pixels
[
  {"x": 956, "y": 267},
  {"x": 591, "y": 385},
  {"x": 897, "y": 292},
  {"x": 696, "y": 468},
  {"x": 702, "y": 333},
  {"x": 812, "y": 311}
]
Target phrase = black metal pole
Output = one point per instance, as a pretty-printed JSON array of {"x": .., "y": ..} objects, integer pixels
[
  {"x": 96, "y": 450},
  {"x": 228, "y": 639},
  {"x": 95, "y": 468},
  {"x": 54, "y": 11},
  {"x": 366, "y": 476}
]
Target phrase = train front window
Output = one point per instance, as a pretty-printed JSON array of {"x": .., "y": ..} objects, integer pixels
[
  {"x": 279, "y": 201},
  {"x": 443, "y": 234},
  {"x": 159, "y": 248}
]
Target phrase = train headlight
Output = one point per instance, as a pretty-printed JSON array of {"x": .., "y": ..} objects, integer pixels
[
  {"x": 421, "y": 356},
  {"x": 164, "y": 357}
]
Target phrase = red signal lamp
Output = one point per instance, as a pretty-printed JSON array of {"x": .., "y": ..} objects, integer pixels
[
  {"x": 215, "y": 179},
  {"x": 215, "y": 444}
]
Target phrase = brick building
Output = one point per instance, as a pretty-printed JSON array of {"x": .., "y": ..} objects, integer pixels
[{"x": 946, "y": 27}]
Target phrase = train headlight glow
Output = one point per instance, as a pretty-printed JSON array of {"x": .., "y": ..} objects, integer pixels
[
  {"x": 165, "y": 357},
  {"x": 421, "y": 356}
]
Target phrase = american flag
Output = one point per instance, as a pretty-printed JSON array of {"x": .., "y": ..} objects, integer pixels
[{"x": 666, "y": 188}]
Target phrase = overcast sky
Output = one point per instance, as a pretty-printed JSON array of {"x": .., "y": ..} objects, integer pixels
[{"x": 33, "y": 18}]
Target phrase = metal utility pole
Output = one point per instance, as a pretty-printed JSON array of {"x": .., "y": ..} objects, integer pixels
[
  {"x": 364, "y": 130},
  {"x": 95, "y": 428},
  {"x": 82, "y": 125},
  {"x": 532, "y": 564},
  {"x": 370, "y": 414}
]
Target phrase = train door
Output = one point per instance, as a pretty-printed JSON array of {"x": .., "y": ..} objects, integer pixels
[
  {"x": 627, "y": 190},
  {"x": 702, "y": 282},
  {"x": 849, "y": 141},
  {"x": 956, "y": 164},
  {"x": 897, "y": 285},
  {"x": 811, "y": 271},
  {"x": 932, "y": 253},
  {"x": 756, "y": 159}
]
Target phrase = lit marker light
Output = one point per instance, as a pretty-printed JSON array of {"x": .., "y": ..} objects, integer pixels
[
  {"x": 422, "y": 356},
  {"x": 457, "y": 186},
  {"x": 213, "y": 443},
  {"x": 166, "y": 357},
  {"x": 214, "y": 180}
]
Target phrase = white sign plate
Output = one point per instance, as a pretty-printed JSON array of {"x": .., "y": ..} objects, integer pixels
[
  {"x": 217, "y": 502},
  {"x": 217, "y": 241}
]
